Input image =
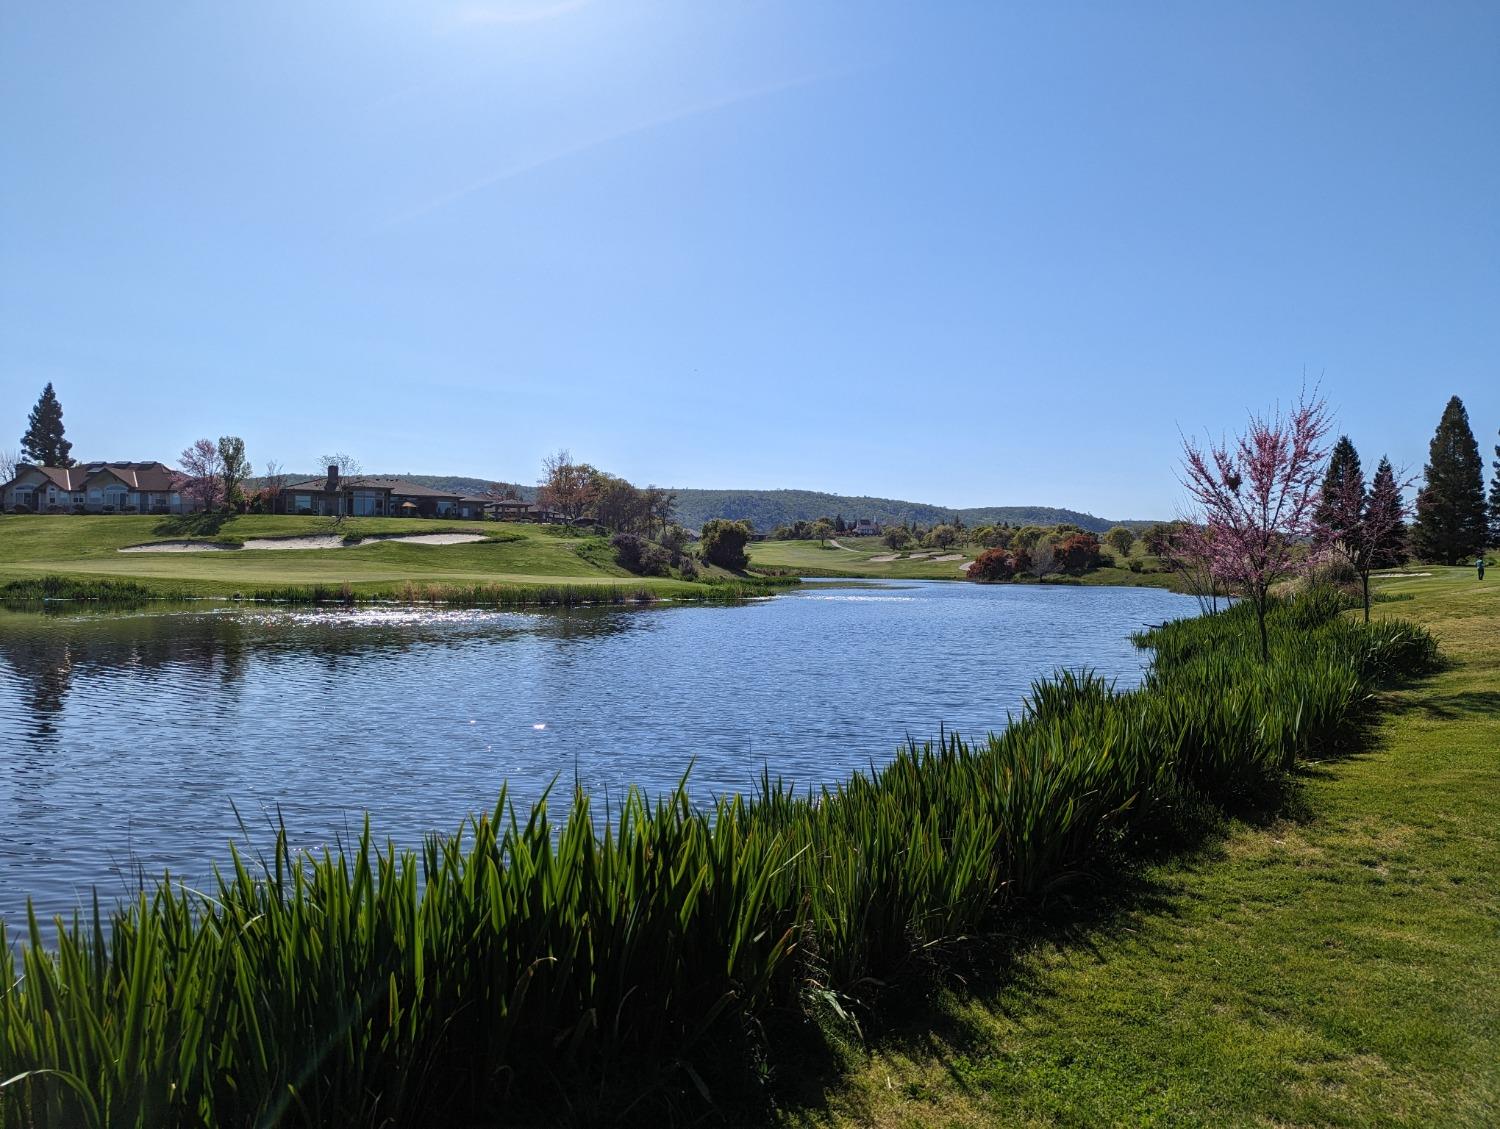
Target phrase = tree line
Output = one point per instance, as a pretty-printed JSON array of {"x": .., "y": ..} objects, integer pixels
[{"x": 1452, "y": 518}]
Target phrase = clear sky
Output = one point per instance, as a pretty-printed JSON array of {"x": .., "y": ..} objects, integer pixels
[{"x": 960, "y": 253}]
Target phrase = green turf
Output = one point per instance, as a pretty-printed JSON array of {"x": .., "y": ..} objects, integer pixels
[
  {"x": 88, "y": 547},
  {"x": 858, "y": 557},
  {"x": 1336, "y": 967},
  {"x": 854, "y": 559}
]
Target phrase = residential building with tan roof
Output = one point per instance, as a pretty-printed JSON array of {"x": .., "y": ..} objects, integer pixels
[{"x": 96, "y": 487}]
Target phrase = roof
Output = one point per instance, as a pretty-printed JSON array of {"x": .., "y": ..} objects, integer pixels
[
  {"x": 397, "y": 486},
  {"x": 149, "y": 476}
]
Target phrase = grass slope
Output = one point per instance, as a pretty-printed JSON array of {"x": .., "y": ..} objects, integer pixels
[
  {"x": 1338, "y": 968},
  {"x": 857, "y": 557},
  {"x": 88, "y": 547}
]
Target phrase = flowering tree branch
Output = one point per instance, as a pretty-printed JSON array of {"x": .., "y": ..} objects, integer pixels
[{"x": 1255, "y": 500}]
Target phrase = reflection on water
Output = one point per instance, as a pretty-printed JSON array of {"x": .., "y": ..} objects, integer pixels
[{"x": 128, "y": 740}]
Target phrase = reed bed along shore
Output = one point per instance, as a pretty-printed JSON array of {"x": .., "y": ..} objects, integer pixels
[
  {"x": 47, "y": 589},
  {"x": 538, "y": 966}
]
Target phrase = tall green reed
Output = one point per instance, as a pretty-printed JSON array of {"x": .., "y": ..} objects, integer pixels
[{"x": 526, "y": 962}]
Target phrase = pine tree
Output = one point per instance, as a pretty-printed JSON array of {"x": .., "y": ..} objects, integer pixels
[
  {"x": 43, "y": 444},
  {"x": 1495, "y": 501},
  {"x": 1343, "y": 489},
  {"x": 1384, "y": 513},
  {"x": 1451, "y": 520}
]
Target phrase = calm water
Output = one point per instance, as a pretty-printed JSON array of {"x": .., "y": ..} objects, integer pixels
[{"x": 126, "y": 738}]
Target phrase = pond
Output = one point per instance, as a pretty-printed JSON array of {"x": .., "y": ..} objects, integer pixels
[{"x": 129, "y": 741}]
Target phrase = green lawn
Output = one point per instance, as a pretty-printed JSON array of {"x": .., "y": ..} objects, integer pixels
[
  {"x": 855, "y": 558},
  {"x": 88, "y": 547},
  {"x": 1338, "y": 966},
  {"x": 860, "y": 557}
]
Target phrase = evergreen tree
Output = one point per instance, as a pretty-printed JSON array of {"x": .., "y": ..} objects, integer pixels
[
  {"x": 1385, "y": 512},
  {"x": 1451, "y": 520},
  {"x": 1343, "y": 485},
  {"x": 43, "y": 444},
  {"x": 1495, "y": 501}
]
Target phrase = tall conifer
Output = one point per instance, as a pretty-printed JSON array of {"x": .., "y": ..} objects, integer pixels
[
  {"x": 43, "y": 444},
  {"x": 1451, "y": 521},
  {"x": 1384, "y": 512},
  {"x": 1343, "y": 484}
]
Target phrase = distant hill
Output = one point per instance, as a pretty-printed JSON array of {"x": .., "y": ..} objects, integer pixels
[{"x": 766, "y": 509}]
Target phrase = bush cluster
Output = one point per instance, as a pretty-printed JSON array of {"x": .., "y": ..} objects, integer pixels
[
  {"x": 640, "y": 556},
  {"x": 649, "y": 946}
]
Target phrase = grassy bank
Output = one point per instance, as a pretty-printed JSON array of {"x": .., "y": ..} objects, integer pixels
[
  {"x": 79, "y": 557},
  {"x": 856, "y": 557},
  {"x": 1328, "y": 962},
  {"x": 530, "y": 970}
]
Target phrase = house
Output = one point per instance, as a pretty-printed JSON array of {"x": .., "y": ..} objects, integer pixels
[
  {"x": 864, "y": 527},
  {"x": 98, "y": 487},
  {"x": 337, "y": 495},
  {"x": 513, "y": 509}
]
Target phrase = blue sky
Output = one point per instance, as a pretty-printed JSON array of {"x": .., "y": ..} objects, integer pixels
[{"x": 961, "y": 253}]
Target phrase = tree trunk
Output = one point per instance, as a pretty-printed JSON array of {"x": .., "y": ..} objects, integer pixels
[
  {"x": 1260, "y": 619},
  {"x": 1365, "y": 578}
]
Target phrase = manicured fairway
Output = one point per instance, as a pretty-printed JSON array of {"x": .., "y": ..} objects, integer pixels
[
  {"x": 855, "y": 556},
  {"x": 864, "y": 556},
  {"x": 1340, "y": 967},
  {"x": 32, "y": 546}
]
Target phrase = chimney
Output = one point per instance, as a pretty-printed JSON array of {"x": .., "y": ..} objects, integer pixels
[{"x": 333, "y": 480}]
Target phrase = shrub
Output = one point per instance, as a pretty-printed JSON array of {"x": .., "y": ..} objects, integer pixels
[
  {"x": 628, "y": 549},
  {"x": 1120, "y": 540},
  {"x": 897, "y": 537},
  {"x": 941, "y": 537},
  {"x": 991, "y": 536},
  {"x": 993, "y": 564},
  {"x": 640, "y": 556},
  {"x": 1076, "y": 552},
  {"x": 1027, "y": 536},
  {"x": 724, "y": 544}
]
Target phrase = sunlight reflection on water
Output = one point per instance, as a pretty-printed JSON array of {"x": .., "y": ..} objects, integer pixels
[{"x": 128, "y": 739}]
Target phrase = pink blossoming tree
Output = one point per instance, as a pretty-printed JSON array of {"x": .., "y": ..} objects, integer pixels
[{"x": 1255, "y": 499}]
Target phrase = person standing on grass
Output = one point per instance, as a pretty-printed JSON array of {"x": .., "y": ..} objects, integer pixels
[{"x": 1479, "y": 564}]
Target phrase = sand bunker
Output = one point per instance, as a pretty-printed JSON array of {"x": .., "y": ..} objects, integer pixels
[
  {"x": 948, "y": 557},
  {"x": 180, "y": 547},
  {"x": 429, "y": 538},
  {"x": 317, "y": 541},
  {"x": 884, "y": 558}
]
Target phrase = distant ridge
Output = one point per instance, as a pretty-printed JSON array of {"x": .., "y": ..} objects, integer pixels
[
  {"x": 770, "y": 508},
  {"x": 766, "y": 509}
]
